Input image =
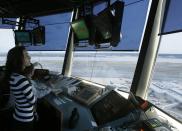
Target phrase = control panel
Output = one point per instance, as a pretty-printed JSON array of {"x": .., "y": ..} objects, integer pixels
[
  {"x": 82, "y": 91},
  {"x": 154, "y": 125}
]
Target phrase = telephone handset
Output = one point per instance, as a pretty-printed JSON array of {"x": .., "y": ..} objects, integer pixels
[
  {"x": 36, "y": 74},
  {"x": 29, "y": 71}
]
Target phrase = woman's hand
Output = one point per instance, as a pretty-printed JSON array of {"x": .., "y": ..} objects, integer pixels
[{"x": 29, "y": 71}]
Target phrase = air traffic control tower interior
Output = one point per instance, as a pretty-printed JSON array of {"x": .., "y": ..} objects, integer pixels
[{"x": 67, "y": 102}]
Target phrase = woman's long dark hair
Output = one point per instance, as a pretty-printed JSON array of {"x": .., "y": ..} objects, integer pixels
[
  {"x": 14, "y": 64},
  {"x": 14, "y": 61}
]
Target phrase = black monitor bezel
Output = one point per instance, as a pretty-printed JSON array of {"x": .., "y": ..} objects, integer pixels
[{"x": 42, "y": 29}]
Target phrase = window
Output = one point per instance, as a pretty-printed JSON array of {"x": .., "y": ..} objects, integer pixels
[
  {"x": 166, "y": 86},
  {"x": 56, "y": 32},
  {"x": 51, "y": 55},
  {"x": 51, "y": 60},
  {"x": 114, "y": 69},
  {"x": 6, "y": 43},
  {"x": 131, "y": 28}
]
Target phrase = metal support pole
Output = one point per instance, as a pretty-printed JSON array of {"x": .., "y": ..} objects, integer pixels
[
  {"x": 149, "y": 49},
  {"x": 67, "y": 65}
]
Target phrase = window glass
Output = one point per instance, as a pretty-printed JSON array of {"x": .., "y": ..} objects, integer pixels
[
  {"x": 131, "y": 29},
  {"x": 56, "y": 32},
  {"x": 51, "y": 60},
  {"x": 115, "y": 69},
  {"x": 51, "y": 55},
  {"x": 173, "y": 20},
  {"x": 166, "y": 86},
  {"x": 6, "y": 43}
]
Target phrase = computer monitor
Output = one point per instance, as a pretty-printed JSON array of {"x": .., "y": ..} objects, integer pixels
[
  {"x": 23, "y": 36},
  {"x": 101, "y": 28},
  {"x": 80, "y": 29},
  {"x": 111, "y": 107},
  {"x": 38, "y": 35},
  {"x": 118, "y": 8},
  {"x": 108, "y": 24}
]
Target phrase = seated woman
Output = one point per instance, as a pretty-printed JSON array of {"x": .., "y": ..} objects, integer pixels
[{"x": 23, "y": 116}]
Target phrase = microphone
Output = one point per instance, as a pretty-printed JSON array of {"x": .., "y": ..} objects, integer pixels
[{"x": 37, "y": 64}]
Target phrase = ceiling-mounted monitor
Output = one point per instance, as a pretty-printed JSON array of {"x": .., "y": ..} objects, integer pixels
[
  {"x": 38, "y": 35},
  {"x": 23, "y": 36},
  {"x": 80, "y": 29},
  {"x": 108, "y": 24},
  {"x": 101, "y": 28}
]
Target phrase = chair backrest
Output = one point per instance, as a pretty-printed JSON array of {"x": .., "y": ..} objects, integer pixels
[
  {"x": 4, "y": 98},
  {"x": 4, "y": 90}
]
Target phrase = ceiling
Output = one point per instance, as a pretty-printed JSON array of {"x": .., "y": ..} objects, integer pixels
[{"x": 18, "y": 8}]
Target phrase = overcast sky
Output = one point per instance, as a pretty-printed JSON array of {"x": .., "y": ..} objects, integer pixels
[
  {"x": 6, "y": 40},
  {"x": 169, "y": 44}
]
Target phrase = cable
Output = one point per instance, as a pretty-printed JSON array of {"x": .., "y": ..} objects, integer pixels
[
  {"x": 93, "y": 65},
  {"x": 36, "y": 64},
  {"x": 134, "y": 2},
  {"x": 57, "y": 23},
  {"x": 29, "y": 25}
]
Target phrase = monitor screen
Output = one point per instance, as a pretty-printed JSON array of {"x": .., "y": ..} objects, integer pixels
[
  {"x": 38, "y": 35},
  {"x": 108, "y": 24},
  {"x": 111, "y": 107},
  {"x": 103, "y": 28},
  {"x": 23, "y": 36},
  {"x": 80, "y": 29}
]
